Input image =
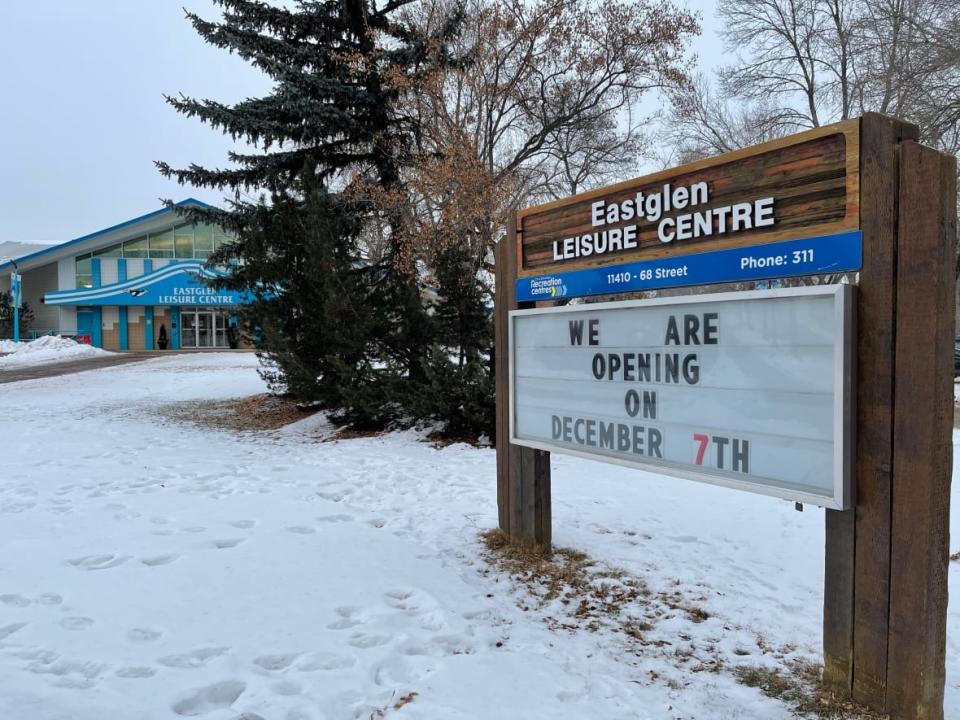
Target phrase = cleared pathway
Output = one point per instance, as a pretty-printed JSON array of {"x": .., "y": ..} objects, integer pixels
[{"x": 67, "y": 367}]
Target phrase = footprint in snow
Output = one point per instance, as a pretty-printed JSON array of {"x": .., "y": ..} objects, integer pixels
[
  {"x": 301, "y": 530},
  {"x": 159, "y": 560},
  {"x": 76, "y": 674},
  {"x": 195, "y": 529},
  {"x": 286, "y": 688},
  {"x": 335, "y": 518},
  {"x": 407, "y": 600},
  {"x": 228, "y": 543},
  {"x": 136, "y": 672},
  {"x": 49, "y": 599},
  {"x": 98, "y": 562},
  {"x": 212, "y": 697},
  {"x": 9, "y": 630},
  {"x": 394, "y": 671},
  {"x": 324, "y": 661},
  {"x": 243, "y": 524},
  {"x": 14, "y": 600},
  {"x": 276, "y": 662},
  {"x": 366, "y": 640},
  {"x": 193, "y": 659},
  {"x": 76, "y": 623},
  {"x": 143, "y": 635},
  {"x": 18, "y": 507},
  {"x": 348, "y": 618},
  {"x": 336, "y": 496}
]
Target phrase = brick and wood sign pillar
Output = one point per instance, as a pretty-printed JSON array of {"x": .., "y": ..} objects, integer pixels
[{"x": 885, "y": 603}]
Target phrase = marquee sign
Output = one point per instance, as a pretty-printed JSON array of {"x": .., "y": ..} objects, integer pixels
[
  {"x": 758, "y": 206},
  {"x": 748, "y": 390}
]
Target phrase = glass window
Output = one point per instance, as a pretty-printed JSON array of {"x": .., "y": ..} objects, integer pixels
[
  {"x": 161, "y": 244},
  {"x": 183, "y": 241},
  {"x": 112, "y": 251},
  {"x": 220, "y": 237},
  {"x": 135, "y": 248},
  {"x": 84, "y": 271},
  {"x": 203, "y": 241}
]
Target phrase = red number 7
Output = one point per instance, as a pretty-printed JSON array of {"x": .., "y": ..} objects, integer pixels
[{"x": 703, "y": 440}]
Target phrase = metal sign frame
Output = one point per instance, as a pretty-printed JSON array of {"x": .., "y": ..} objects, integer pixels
[{"x": 844, "y": 331}]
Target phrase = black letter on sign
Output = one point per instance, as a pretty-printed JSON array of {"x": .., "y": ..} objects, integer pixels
[
  {"x": 691, "y": 370},
  {"x": 654, "y": 439},
  {"x": 599, "y": 366},
  {"x": 613, "y": 366},
  {"x": 720, "y": 442},
  {"x": 576, "y": 332},
  {"x": 631, "y": 402},
  {"x": 557, "y": 427},
  {"x": 711, "y": 328},
  {"x": 673, "y": 334},
  {"x": 594, "y": 332},
  {"x": 741, "y": 455},
  {"x": 650, "y": 404},
  {"x": 691, "y": 324}
]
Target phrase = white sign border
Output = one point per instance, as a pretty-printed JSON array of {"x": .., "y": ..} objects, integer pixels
[{"x": 844, "y": 371}]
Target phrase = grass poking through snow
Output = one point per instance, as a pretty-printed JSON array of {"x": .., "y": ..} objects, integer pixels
[
  {"x": 800, "y": 688},
  {"x": 576, "y": 592}
]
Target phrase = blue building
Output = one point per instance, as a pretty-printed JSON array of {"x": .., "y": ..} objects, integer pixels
[{"x": 118, "y": 287}]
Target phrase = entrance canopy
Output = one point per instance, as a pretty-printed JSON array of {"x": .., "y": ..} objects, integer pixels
[{"x": 182, "y": 283}]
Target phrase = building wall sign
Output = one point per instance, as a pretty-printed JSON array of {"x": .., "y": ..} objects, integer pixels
[
  {"x": 747, "y": 390},
  {"x": 181, "y": 283}
]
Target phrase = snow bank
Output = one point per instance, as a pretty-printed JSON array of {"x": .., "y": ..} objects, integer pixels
[{"x": 46, "y": 349}]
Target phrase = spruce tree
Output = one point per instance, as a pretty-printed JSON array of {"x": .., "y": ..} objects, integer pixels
[
  {"x": 460, "y": 392},
  {"x": 6, "y": 316},
  {"x": 329, "y": 128}
]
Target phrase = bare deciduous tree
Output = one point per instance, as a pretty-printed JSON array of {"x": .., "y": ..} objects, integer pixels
[
  {"x": 805, "y": 63},
  {"x": 542, "y": 105}
]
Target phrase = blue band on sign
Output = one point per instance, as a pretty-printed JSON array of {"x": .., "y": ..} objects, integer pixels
[{"x": 810, "y": 256}]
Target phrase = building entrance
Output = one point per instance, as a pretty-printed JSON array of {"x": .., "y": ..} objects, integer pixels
[{"x": 203, "y": 328}]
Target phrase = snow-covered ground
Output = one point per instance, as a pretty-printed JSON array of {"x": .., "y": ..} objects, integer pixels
[
  {"x": 153, "y": 570},
  {"x": 46, "y": 349}
]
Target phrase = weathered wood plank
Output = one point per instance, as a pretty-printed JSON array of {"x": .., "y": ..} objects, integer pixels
[
  {"x": 523, "y": 475},
  {"x": 535, "y": 530},
  {"x": 838, "y": 601},
  {"x": 922, "y": 460},
  {"x": 503, "y": 302},
  {"x": 795, "y": 167},
  {"x": 875, "y": 404}
]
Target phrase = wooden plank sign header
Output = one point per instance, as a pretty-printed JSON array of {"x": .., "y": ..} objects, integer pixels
[{"x": 802, "y": 186}]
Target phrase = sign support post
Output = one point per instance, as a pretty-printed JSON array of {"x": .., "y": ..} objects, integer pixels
[
  {"x": 523, "y": 474},
  {"x": 885, "y": 596}
]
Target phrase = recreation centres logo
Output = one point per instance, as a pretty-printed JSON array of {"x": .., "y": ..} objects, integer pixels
[{"x": 548, "y": 285}]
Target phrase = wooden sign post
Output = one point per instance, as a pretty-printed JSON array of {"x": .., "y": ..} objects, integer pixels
[{"x": 863, "y": 196}]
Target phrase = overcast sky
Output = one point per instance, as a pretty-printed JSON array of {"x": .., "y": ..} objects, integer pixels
[{"x": 83, "y": 116}]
